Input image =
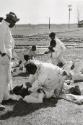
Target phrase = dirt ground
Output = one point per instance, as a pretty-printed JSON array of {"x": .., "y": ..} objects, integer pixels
[{"x": 51, "y": 112}]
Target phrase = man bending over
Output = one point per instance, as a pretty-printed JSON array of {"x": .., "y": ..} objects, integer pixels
[{"x": 46, "y": 79}]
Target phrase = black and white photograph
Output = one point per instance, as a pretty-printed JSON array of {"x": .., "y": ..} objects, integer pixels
[{"x": 41, "y": 62}]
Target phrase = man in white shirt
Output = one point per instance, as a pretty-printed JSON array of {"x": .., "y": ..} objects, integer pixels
[
  {"x": 45, "y": 77},
  {"x": 56, "y": 50},
  {"x": 6, "y": 48}
]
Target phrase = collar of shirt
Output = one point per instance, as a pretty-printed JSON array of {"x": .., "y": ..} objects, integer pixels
[{"x": 5, "y": 22}]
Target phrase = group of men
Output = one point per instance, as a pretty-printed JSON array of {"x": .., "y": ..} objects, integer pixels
[{"x": 45, "y": 80}]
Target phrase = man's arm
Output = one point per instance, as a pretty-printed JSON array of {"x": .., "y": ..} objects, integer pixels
[
  {"x": 14, "y": 54},
  {"x": 3, "y": 31},
  {"x": 31, "y": 79},
  {"x": 72, "y": 98},
  {"x": 39, "y": 82},
  {"x": 9, "y": 43}
]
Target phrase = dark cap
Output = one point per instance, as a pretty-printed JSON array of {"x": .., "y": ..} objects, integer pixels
[
  {"x": 12, "y": 16},
  {"x": 34, "y": 48}
]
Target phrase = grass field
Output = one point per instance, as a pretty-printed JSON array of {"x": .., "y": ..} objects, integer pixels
[{"x": 51, "y": 112}]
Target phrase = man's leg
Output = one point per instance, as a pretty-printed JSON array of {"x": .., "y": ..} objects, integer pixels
[
  {"x": 73, "y": 98},
  {"x": 7, "y": 79},
  {"x": 10, "y": 85},
  {"x": 2, "y": 82}
]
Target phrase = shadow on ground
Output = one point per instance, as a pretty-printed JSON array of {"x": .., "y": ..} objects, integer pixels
[{"x": 22, "y": 108}]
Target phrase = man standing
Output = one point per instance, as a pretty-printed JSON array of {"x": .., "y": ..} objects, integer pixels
[{"x": 6, "y": 49}]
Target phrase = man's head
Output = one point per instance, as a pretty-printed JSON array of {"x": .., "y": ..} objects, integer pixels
[
  {"x": 60, "y": 64},
  {"x": 11, "y": 18},
  {"x": 27, "y": 57},
  {"x": 31, "y": 68},
  {"x": 33, "y": 48},
  {"x": 52, "y": 35}
]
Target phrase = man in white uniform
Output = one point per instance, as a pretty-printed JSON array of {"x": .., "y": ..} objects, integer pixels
[
  {"x": 6, "y": 48},
  {"x": 47, "y": 77},
  {"x": 56, "y": 49}
]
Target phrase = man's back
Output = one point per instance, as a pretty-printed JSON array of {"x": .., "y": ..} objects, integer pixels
[{"x": 54, "y": 75}]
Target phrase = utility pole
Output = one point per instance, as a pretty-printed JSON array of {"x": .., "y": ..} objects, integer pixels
[
  {"x": 78, "y": 20},
  {"x": 69, "y": 9},
  {"x": 49, "y": 24}
]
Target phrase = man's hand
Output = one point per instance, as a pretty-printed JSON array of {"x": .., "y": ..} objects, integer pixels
[
  {"x": 28, "y": 85},
  {"x": 46, "y": 52},
  {"x": 31, "y": 89}
]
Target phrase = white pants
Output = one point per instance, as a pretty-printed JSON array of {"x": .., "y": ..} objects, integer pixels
[{"x": 4, "y": 77}]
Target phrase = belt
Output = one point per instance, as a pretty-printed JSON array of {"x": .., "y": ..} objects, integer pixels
[{"x": 2, "y": 54}]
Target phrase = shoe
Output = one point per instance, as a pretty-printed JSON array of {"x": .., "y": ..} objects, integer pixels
[{"x": 2, "y": 107}]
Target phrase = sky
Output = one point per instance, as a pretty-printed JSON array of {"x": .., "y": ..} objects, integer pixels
[{"x": 39, "y": 11}]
